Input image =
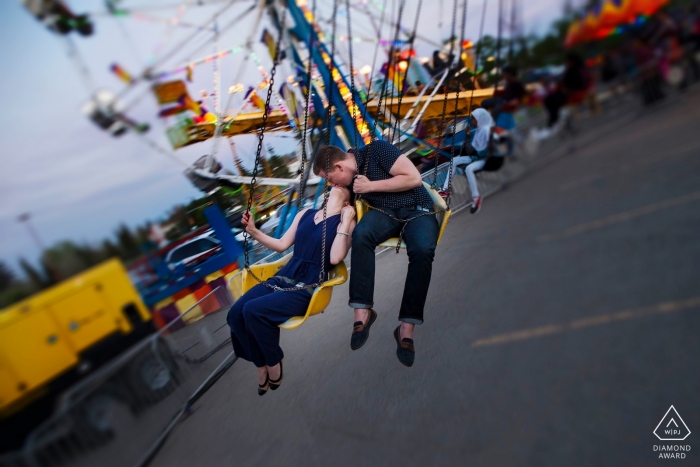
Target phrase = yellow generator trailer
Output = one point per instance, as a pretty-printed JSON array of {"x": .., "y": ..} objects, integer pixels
[{"x": 54, "y": 338}]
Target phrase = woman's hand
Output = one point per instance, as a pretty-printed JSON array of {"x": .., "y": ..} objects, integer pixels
[
  {"x": 248, "y": 223},
  {"x": 347, "y": 214}
]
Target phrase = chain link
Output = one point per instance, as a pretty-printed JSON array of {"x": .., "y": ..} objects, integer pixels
[
  {"x": 352, "y": 77},
  {"x": 441, "y": 128},
  {"x": 258, "y": 159},
  {"x": 454, "y": 122},
  {"x": 322, "y": 274},
  {"x": 331, "y": 81},
  {"x": 302, "y": 179}
]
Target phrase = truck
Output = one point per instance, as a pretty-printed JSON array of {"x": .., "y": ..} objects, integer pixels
[{"x": 55, "y": 338}]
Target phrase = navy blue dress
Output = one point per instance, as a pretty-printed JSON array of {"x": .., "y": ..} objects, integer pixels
[{"x": 255, "y": 317}]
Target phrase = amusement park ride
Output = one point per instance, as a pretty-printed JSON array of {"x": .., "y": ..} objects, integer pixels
[
  {"x": 190, "y": 120},
  {"x": 325, "y": 100}
]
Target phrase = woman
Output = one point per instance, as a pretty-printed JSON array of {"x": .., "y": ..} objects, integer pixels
[
  {"x": 477, "y": 152},
  {"x": 255, "y": 317}
]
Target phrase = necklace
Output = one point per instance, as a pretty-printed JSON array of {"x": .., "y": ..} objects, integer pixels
[{"x": 318, "y": 217}]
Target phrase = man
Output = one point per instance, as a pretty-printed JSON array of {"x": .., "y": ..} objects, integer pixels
[
  {"x": 389, "y": 181},
  {"x": 510, "y": 98}
]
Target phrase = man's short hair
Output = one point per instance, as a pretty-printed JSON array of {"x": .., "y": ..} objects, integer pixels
[{"x": 328, "y": 156}]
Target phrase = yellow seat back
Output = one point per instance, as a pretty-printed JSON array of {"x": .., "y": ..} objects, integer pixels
[
  {"x": 438, "y": 204},
  {"x": 320, "y": 298}
]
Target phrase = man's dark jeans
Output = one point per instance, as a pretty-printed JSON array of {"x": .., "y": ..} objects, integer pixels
[{"x": 421, "y": 238}]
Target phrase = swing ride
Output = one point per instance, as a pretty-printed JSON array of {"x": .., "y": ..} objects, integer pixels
[{"x": 336, "y": 106}]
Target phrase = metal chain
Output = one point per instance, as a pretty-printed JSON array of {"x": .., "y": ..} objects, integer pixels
[
  {"x": 371, "y": 76},
  {"x": 393, "y": 62},
  {"x": 405, "y": 221},
  {"x": 478, "y": 52},
  {"x": 454, "y": 122},
  {"x": 352, "y": 77},
  {"x": 405, "y": 75},
  {"x": 322, "y": 274},
  {"x": 441, "y": 128},
  {"x": 258, "y": 158},
  {"x": 302, "y": 178},
  {"x": 331, "y": 81},
  {"x": 326, "y": 192}
]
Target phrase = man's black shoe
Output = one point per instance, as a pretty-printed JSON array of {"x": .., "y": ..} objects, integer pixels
[
  {"x": 360, "y": 332},
  {"x": 404, "y": 350}
]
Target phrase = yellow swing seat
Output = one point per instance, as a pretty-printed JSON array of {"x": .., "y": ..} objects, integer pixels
[
  {"x": 320, "y": 298},
  {"x": 438, "y": 204}
]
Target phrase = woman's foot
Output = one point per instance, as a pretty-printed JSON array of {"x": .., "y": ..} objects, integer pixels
[
  {"x": 276, "y": 374},
  {"x": 263, "y": 381}
]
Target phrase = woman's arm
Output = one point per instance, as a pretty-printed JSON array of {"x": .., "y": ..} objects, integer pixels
[
  {"x": 275, "y": 244},
  {"x": 341, "y": 243}
]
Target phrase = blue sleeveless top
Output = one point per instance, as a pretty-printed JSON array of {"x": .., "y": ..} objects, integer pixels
[{"x": 305, "y": 264}]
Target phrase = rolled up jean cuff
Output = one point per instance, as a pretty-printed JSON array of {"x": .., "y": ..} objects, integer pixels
[
  {"x": 411, "y": 321},
  {"x": 360, "y": 305}
]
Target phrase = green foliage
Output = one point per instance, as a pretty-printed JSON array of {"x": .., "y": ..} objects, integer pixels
[
  {"x": 127, "y": 241},
  {"x": 7, "y": 277},
  {"x": 35, "y": 277},
  {"x": 13, "y": 294},
  {"x": 278, "y": 165}
]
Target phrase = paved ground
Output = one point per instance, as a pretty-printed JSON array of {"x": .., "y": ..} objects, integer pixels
[{"x": 562, "y": 322}]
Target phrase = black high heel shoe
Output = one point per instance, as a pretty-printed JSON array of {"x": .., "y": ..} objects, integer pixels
[
  {"x": 262, "y": 388},
  {"x": 274, "y": 384}
]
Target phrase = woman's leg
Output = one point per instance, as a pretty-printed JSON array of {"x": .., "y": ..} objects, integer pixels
[
  {"x": 234, "y": 318},
  {"x": 262, "y": 317},
  {"x": 457, "y": 161},
  {"x": 471, "y": 177}
]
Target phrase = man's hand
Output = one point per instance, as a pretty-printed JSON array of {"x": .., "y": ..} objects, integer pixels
[{"x": 362, "y": 185}]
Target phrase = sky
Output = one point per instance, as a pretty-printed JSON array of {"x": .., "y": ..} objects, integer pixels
[{"x": 79, "y": 183}]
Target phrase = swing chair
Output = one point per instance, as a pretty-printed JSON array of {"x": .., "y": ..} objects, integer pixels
[
  {"x": 258, "y": 273},
  {"x": 439, "y": 205},
  {"x": 321, "y": 295}
]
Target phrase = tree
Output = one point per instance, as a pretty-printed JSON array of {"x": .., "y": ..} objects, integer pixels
[
  {"x": 7, "y": 277},
  {"x": 128, "y": 245},
  {"x": 279, "y": 167},
  {"x": 109, "y": 249},
  {"x": 37, "y": 279}
]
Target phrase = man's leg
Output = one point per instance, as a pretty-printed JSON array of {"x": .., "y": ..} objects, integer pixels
[
  {"x": 421, "y": 239},
  {"x": 373, "y": 229}
]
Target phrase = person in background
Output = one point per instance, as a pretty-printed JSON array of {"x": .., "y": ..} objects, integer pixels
[
  {"x": 571, "y": 88},
  {"x": 476, "y": 154},
  {"x": 508, "y": 99}
]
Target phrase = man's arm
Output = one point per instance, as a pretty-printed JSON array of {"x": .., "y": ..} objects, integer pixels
[{"x": 405, "y": 176}]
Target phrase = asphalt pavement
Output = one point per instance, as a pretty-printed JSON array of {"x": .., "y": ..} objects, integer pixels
[{"x": 562, "y": 322}]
